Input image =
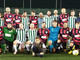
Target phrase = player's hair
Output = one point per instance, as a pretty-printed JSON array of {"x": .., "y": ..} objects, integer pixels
[
  {"x": 40, "y": 13},
  {"x": 63, "y": 8},
  {"x": 8, "y": 7},
  {"x": 43, "y": 22},
  {"x": 33, "y": 11},
  {"x": 54, "y": 21},
  {"x": 72, "y": 10},
  {"x": 37, "y": 37},
  {"x": 24, "y": 11},
  {"x": 55, "y": 10}
]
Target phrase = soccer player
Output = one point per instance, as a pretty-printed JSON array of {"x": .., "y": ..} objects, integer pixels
[
  {"x": 9, "y": 35},
  {"x": 75, "y": 33},
  {"x": 55, "y": 16},
  {"x": 8, "y": 17},
  {"x": 38, "y": 48},
  {"x": 63, "y": 17},
  {"x": 64, "y": 36},
  {"x": 48, "y": 19},
  {"x": 17, "y": 19},
  {"x": 32, "y": 34},
  {"x": 40, "y": 19},
  {"x": 43, "y": 33},
  {"x": 71, "y": 20},
  {"x": 20, "y": 39},
  {"x": 54, "y": 31},
  {"x": 25, "y": 20},
  {"x": 33, "y": 19}
]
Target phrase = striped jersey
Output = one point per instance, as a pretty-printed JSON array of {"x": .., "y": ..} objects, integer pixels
[
  {"x": 63, "y": 18},
  {"x": 21, "y": 35},
  {"x": 48, "y": 21},
  {"x": 71, "y": 22},
  {"x": 17, "y": 20},
  {"x": 55, "y": 17},
  {"x": 8, "y": 18},
  {"x": 25, "y": 22},
  {"x": 32, "y": 34},
  {"x": 1, "y": 32},
  {"x": 1, "y": 22}
]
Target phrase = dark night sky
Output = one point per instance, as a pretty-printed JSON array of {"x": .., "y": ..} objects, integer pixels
[{"x": 41, "y": 3}]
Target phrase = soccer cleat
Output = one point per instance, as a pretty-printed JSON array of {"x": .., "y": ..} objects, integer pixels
[
  {"x": 70, "y": 52},
  {"x": 15, "y": 52}
]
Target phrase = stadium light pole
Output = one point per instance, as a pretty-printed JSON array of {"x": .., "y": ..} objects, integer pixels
[
  {"x": 56, "y": 4},
  {"x": 23, "y": 5},
  {"x": 30, "y": 6},
  {"x": 60, "y": 4},
  {"x": 4, "y": 5}
]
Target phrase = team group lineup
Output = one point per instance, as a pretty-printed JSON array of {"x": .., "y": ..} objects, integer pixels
[{"x": 35, "y": 34}]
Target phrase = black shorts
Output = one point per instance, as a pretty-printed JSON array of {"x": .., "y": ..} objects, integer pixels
[
  {"x": 76, "y": 46},
  {"x": 64, "y": 45}
]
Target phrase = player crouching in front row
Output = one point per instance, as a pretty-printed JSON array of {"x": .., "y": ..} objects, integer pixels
[
  {"x": 38, "y": 48},
  {"x": 75, "y": 42}
]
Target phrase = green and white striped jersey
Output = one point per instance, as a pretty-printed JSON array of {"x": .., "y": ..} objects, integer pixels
[
  {"x": 32, "y": 34},
  {"x": 25, "y": 22},
  {"x": 1, "y": 22},
  {"x": 48, "y": 21},
  {"x": 21, "y": 35},
  {"x": 71, "y": 22},
  {"x": 55, "y": 17}
]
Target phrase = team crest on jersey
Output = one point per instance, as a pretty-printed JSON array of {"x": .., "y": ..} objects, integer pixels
[
  {"x": 79, "y": 31},
  {"x": 35, "y": 17},
  {"x": 46, "y": 32},
  {"x": 10, "y": 16},
  {"x": 19, "y": 17},
  {"x": 67, "y": 32},
  {"x": 10, "y": 31},
  {"x": 65, "y": 15}
]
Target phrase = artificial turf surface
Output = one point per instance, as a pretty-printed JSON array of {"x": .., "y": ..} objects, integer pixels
[{"x": 54, "y": 56}]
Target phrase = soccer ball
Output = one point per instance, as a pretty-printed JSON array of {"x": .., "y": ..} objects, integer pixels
[{"x": 75, "y": 52}]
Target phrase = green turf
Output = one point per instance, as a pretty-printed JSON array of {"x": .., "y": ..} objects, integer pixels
[{"x": 9, "y": 56}]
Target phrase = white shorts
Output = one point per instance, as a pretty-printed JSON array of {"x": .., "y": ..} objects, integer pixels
[{"x": 22, "y": 44}]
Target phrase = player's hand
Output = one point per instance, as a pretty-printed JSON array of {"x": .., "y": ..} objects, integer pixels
[
  {"x": 58, "y": 41},
  {"x": 41, "y": 53},
  {"x": 3, "y": 19},
  {"x": 13, "y": 19},
  {"x": 71, "y": 44}
]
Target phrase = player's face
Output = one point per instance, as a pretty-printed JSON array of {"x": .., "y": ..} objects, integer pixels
[
  {"x": 72, "y": 13},
  {"x": 54, "y": 24},
  {"x": 33, "y": 14},
  {"x": 9, "y": 26},
  {"x": 41, "y": 15},
  {"x": 24, "y": 14},
  {"x": 37, "y": 41},
  {"x": 43, "y": 25},
  {"x": 17, "y": 11},
  {"x": 65, "y": 25},
  {"x": 31, "y": 26},
  {"x": 77, "y": 25},
  {"x": 7, "y": 10},
  {"x": 21, "y": 26},
  {"x": 55, "y": 12},
  {"x": 63, "y": 11},
  {"x": 48, "y": 13}
]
